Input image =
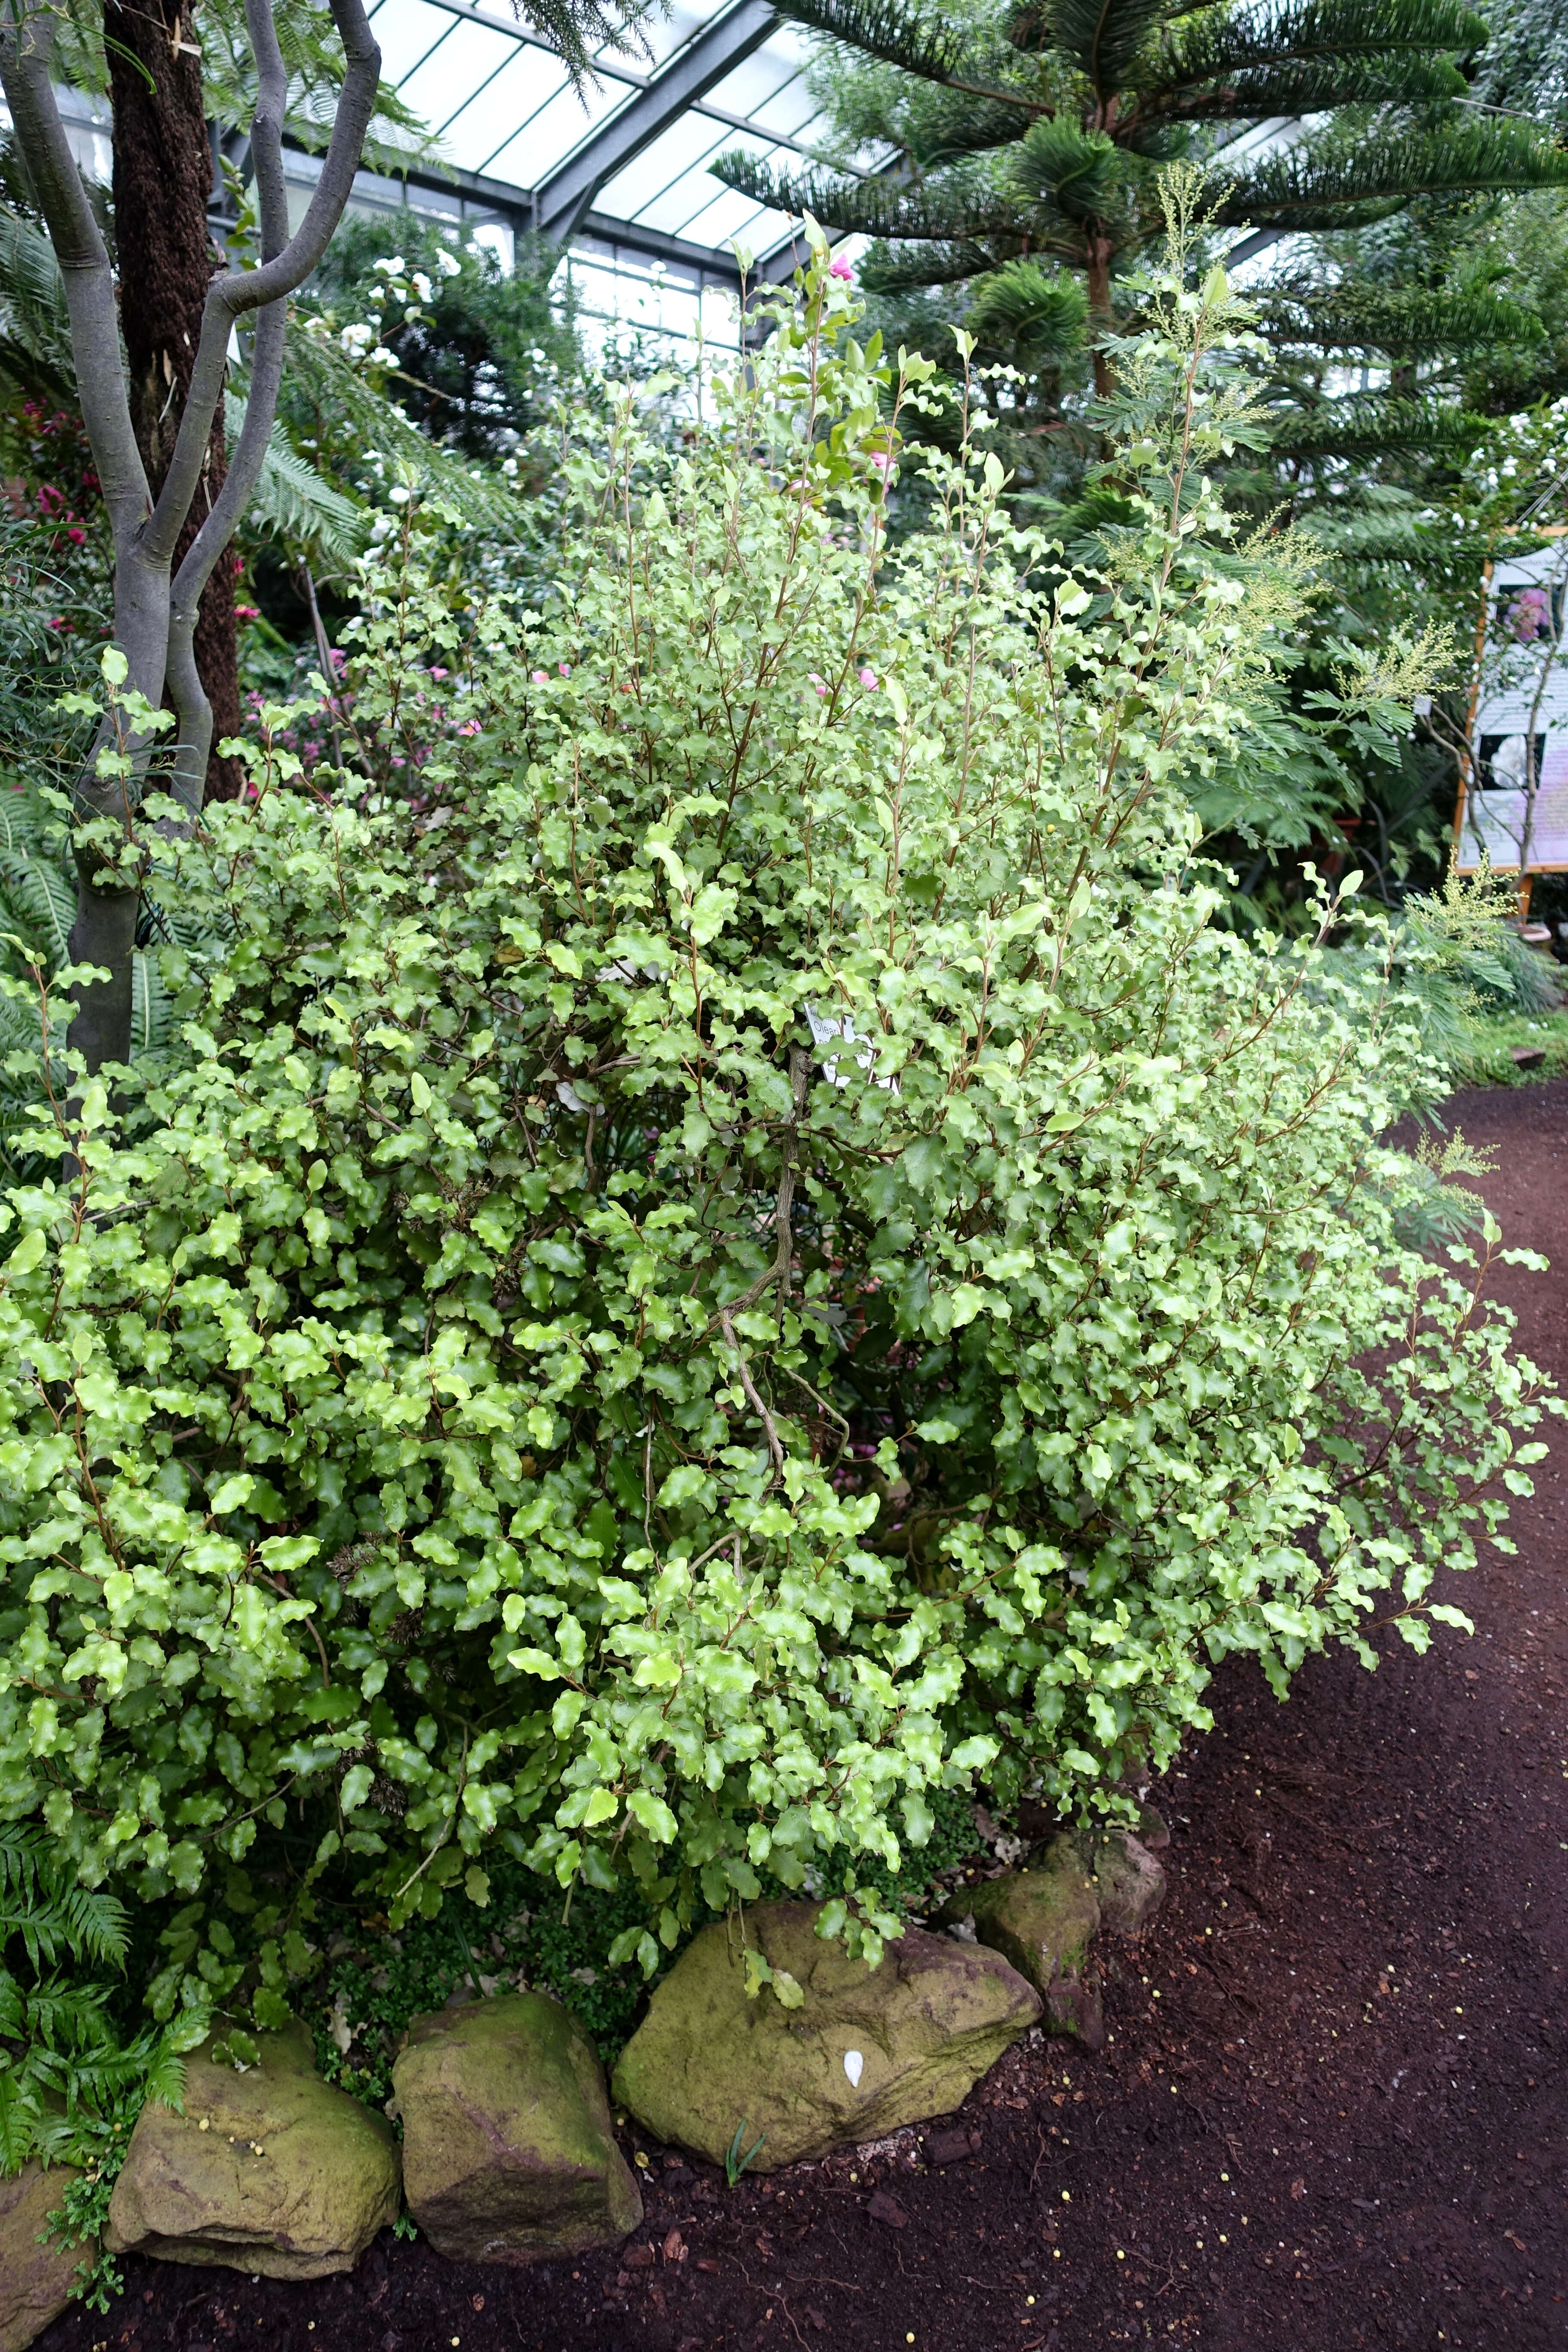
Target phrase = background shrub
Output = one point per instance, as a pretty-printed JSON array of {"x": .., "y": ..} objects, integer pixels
[{"x": 736, "y": 1247}]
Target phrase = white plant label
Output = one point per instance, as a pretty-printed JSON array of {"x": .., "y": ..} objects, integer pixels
[{"x": 853, "y": 2063}]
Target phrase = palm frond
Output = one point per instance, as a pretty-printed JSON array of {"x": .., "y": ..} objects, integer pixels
[{"x": 35, "y": 327}]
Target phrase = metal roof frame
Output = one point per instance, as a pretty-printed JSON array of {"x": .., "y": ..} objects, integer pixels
[{"x": 561, "y": 208}]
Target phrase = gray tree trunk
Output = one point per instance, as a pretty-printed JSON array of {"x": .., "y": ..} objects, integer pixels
[{"x": 154, "y": 606}]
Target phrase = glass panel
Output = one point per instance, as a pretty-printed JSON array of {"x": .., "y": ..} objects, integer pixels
[
  {"x": 727, "y": 215},
  {"x": 496, "y": 113},
  {"x": 551, "y": 134},
  {"x": 406, "y": 29},
  {"x": 691, "y": 140},
  {"x": 446, "y": 81},
  {"x": 752, "y": 82}
]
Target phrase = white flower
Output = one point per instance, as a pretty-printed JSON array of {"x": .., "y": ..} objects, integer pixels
[
  {"x": 392, "y": 264},
  {"x": 422, "y": 285},
  {"x": 398, "y": 494},
  {"x": 447, "y": 263},
  {"x": 356, "y": 339},
  {"x": 382, "y": 357},
  {"x": 376, "y": 294}
]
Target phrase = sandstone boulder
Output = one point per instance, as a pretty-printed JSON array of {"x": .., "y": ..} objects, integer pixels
[
  {"x": 272, "y": 2170},
  {"x": 1043, "y": 1921},
  {"x": 1129, "y": 1883},
  {"x": 508, "y": 2154},
  {"x": 867, "y": 2051},
  {"x": 35, "y": 2280}
]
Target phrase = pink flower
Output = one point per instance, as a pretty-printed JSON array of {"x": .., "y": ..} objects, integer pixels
[
  {"x": 841, "y": 269},
  {"x": 867, "y": 680},
  {"x": 540, "y": 676},
  {"x": 881, "y": 459},
  {"x": 816, "y": 681},
  {"x": 1530, "y": 615},
  {"x": 441, "y": 673},
  {"x": 470, "y": 727},
  {"x": 564, "y": 667},
  {"x": 248, "y": 611}
]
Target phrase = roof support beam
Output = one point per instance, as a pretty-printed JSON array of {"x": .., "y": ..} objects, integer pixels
[{"x": 560, "y": 201}]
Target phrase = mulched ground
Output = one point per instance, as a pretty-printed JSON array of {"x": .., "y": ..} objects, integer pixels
[{"x": 1334, "y": 2110}]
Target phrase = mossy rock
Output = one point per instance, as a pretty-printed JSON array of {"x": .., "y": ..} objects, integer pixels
[
  {"x": 1043, "y": 1920},
  {"x": 35, "y": 2279},
  {"x": 866, "y": 2049},
  {"x": 1129, "y": 1883},
  {"x": 508, "y": 2154},
  {"x": 271, "y": 2170}
]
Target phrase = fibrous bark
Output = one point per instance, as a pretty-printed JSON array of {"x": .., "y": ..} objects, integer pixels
[{"x": 162, "y": 184}]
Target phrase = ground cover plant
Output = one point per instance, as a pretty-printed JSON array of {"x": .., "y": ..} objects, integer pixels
[{"x": 735, "y": 1249}]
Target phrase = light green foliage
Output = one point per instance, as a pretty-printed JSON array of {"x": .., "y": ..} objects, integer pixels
[{"x": 736, "y": 1246}]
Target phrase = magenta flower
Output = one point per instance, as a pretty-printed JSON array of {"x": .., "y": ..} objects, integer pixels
[
  {"x": 840, "y": 269},
  {"x": 867, "y": 680}
]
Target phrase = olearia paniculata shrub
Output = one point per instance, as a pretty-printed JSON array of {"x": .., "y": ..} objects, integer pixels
[{"x": 749, "y": 1254}]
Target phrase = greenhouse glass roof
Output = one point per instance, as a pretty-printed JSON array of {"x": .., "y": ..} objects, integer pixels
[{"x": 615, "y": 170}]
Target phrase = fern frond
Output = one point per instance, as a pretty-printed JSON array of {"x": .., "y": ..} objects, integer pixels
[
  {"x": 43, "y": 1904},
  {"x": 323, "y": 384},
  {"x": 21, "y": 2113},
  {"x": 293, "y": 504}
]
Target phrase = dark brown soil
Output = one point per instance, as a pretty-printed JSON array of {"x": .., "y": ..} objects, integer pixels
[{"x": 1333, "y": 2111}]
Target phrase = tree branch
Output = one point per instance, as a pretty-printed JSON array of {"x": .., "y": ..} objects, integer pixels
[
  {"x": 27, "y": 55},
  {"x": 186, "y": 691},
  {"x": 239, "y": 291}
]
